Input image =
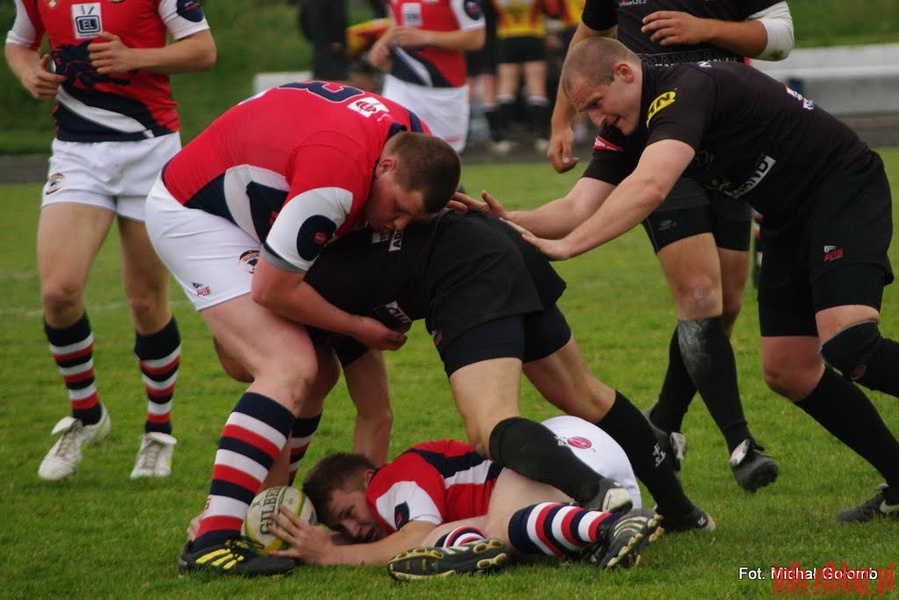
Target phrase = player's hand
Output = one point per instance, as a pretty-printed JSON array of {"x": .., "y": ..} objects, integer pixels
[
  {"x": 411, "y": 37},
  {"x": 558, "y": 153},
  {"x": 374, "y": 334},
  {"x": 490, "y": 205},
  {"x": 551, "y": 249},
  {"x": 111, "y": 55},
  {"x": 379, "y": 55},
  {"x": 40, "y": 82},
  {"x": 193, "y": 527},
  {"x": 308, "y": 543},
  {"x": 670, "y": 27}
]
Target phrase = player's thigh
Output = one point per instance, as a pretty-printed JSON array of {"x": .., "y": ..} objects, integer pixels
[
  {"x": 68, "y": 239},
  {"x": 734, "y": 273},
  {"x": 266, "y": 344},
  {"x": 512, "y": 493},
  {"x": 486, "y": 392},
  {"x": 565, "y": 380}
]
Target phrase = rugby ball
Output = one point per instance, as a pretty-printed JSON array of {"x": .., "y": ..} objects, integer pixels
[{"x": 265, "y": 504}]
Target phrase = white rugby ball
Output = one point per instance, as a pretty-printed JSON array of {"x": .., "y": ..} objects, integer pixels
[{"x": 265, "y": 504}]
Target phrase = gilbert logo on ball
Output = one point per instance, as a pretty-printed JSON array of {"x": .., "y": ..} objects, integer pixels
[{"x": 258, "y": 523}]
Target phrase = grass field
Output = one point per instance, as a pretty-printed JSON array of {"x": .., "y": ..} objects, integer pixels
[{"x": 101, "y": 535}]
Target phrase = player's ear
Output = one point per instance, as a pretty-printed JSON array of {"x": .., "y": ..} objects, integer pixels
[
  {"x": 385, "y": 165},
  {"x": 366, "y": 477},
  {"x": 624, "y": 71}
]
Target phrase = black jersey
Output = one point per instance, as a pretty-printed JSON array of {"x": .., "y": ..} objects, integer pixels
[
  {"x": 754, "y": 138},
  {"x": 628, "y": 16},
  {"x": 454, "y": 271}
]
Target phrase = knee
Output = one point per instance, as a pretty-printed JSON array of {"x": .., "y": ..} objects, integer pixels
[
  {"x": 148, "y": 308},
  {"x": 850, "y": 350},
  {"x": 699, "y": 297},
  {"x": 58, "y": 297},
  {"x": 792, "y": 381}
]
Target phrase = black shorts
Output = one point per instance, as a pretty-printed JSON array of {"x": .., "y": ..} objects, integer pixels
[
  {"x": 525, "y": 337},
  {"x": 690, "y": 210},
  {"x": 519, "y": 50},
  {"x": 483, "y": 61},
  {"x": 482, "y": 270},
  {"x": 833, "y": 252}
]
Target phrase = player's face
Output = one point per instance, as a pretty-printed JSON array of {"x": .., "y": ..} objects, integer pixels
[
  {"x": 389, "y": 206},
  {"x": 353, "y": 517},
  {"x": 615, "y": 102}
]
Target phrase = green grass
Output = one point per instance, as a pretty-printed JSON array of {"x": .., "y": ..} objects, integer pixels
[
  {"x": 255, "y": 36},
  {"x": 101, "y": 535}
]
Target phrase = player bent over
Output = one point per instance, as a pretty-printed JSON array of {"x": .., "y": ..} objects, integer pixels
[{"x": 239, "y": 216}]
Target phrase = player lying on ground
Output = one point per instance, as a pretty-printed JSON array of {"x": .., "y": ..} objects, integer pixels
[{"x": 464, "y": 509}]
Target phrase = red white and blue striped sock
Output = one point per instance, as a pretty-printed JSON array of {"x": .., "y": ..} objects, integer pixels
[
  {"x": 555, "y": 529},
  {"x": 300, "y": 437},
  {"x": 159, "y": 355},
  {"x": 459, "y": 536},
  {"x": 72, "y": 348},
  {"x": 252, "y": 439}
]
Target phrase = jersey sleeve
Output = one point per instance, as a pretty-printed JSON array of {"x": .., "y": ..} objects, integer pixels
[
  {"x": 27, "y": 29},
  {"x": 469, "y": 14},
  {"x": 407, "y": 489},
  {"x": 182, "y": 17},
  {"x": 600, "y": 15},
  {"x": 327, "y": 192}
]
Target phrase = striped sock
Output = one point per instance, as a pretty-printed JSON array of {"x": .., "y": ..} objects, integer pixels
[
  {"x": 554, "y": 529},
  {"x": 73, "y": 350},
  {"x": 253, "y": 437},
  {"x": 459, "y": 536},
  {"x": 159, "y": 355},
  {"x": 300, "y": 437}
]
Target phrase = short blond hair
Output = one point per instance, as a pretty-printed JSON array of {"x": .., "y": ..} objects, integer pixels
[{"x": 594, "y": 60}]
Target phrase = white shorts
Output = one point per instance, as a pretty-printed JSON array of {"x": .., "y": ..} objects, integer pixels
[
  {"x": 116, "y": 176},
  {"x": 212, "y": 258},
  {"x": 598, "y": 450},
  {"x": 445, "y": 110}
]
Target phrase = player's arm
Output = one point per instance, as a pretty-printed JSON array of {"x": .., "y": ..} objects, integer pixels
[
  {"x": 562, "y": 136},
  {"x": 367, "y": 384},
  {"x": 195, "y": 52},
  {"x": 660, "y": 165},
  {"x": 315, "y": 546},
  {"x": 32, "y": 71},
  {"x": 471, "y": 39},
  {"x": 767, "y": 34},
  {"x": 284, "y": 292}
]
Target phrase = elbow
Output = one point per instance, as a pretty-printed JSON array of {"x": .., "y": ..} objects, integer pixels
[
  {"x": 476, "y": 41},
  {"x": 208, "y": 59}
]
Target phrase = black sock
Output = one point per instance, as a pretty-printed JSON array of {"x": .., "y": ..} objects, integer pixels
[
  {"x": 881, "y": 373},
  {"x": 626, "y": 425},
  {"x": 709, "y": 358},
  {"x": 531, "y": 449},
  {"x": 677, "y": 391},
  {"x": 845, "y": 411}
]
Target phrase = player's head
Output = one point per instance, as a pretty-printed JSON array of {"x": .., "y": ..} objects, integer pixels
[
  {"x": 336, "y": 487},
  {"x": 415, "y": 178},
  {"x": 604, "y": 79}
]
